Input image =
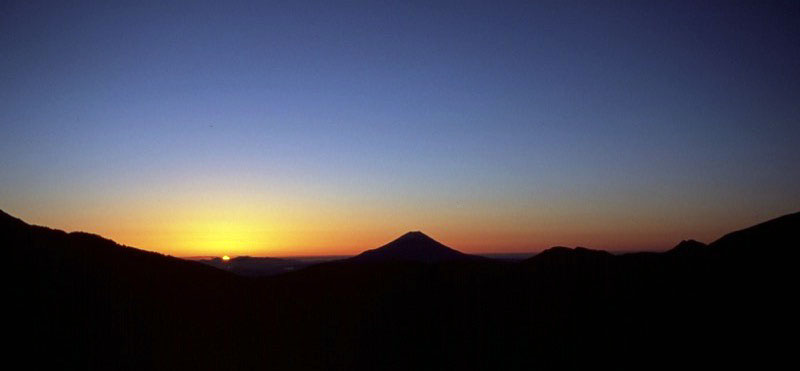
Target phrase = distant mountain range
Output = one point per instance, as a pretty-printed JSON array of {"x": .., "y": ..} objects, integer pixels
[
  {"x": 412, "y": 247},
  {"x": 256, "y": 266},
  {"x": 84, "y": 302}
]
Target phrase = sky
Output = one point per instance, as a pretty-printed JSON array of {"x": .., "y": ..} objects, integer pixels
[{"x": 322, "y": 128}]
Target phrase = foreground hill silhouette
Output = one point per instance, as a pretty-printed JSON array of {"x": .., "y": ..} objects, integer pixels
[{"x": 83, "y": 302}]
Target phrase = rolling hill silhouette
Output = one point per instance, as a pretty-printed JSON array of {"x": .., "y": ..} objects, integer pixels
[
  {"x": 88, "y": 303},
  {"x": 413, "y": 247},
  {"x": 562, "y": 260},
  {"x": 780, "y": 234},
  {"x": 688, "y": 247}
]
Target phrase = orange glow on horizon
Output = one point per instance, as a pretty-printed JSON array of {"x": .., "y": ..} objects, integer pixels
[{"x": 217, "y": 224}]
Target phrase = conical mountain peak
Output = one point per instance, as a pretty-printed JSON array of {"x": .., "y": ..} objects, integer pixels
[
  {"x": 412, "y": 246},
  {"x": 414, "y": 235}
]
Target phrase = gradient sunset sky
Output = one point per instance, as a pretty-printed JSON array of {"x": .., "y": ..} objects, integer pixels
[{"x": 301, "y": 128}]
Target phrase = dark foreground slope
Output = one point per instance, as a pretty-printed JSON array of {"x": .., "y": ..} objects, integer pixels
[
  {"x": 90, "y": 302},
  {"x": 84, "y": 302}
]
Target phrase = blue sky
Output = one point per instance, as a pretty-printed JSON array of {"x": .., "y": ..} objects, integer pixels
[{"x": 515, "y": 117}]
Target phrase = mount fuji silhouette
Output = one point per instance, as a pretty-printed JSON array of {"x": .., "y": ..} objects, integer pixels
[{"x": 413, "y": 247}]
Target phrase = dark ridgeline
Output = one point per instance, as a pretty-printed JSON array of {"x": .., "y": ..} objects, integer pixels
[
  {"x": 688, "y": 247},
  {"x": 85, "y": 302}
]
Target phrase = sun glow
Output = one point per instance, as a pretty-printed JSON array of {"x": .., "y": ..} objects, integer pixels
[
  {"x": 192, "y": 227},
  {"x": 226, "y": 258}
]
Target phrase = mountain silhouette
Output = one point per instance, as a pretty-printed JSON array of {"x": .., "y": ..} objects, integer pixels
[
  {"x": 563, "y": 261},
  {"x": 8, "y": 220},
  {"x": 779, "y": 234},
  {"x": 413, "y": 247},
  {"x": 688, "y": 247},
  {"x": 95, "y": 304}
]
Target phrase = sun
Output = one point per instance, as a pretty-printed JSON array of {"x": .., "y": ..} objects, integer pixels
[{"x": 226, "y": 258}]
